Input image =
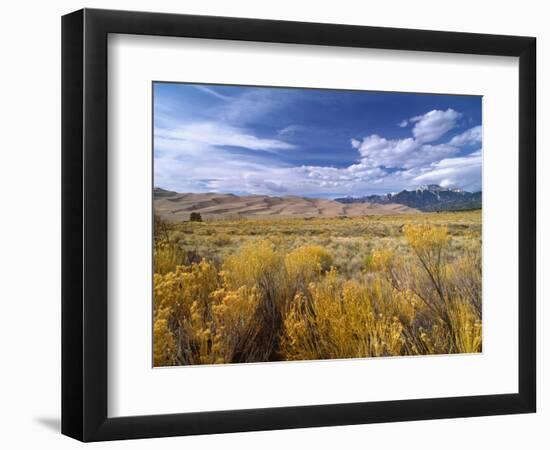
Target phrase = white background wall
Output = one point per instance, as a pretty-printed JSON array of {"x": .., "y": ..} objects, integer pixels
[{"x": 30, "y": 224}]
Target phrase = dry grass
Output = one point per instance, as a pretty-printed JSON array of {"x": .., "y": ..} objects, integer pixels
[{"x": 298, "y": 289}]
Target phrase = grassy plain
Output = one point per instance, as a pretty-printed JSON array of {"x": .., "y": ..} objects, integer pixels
[{"x": 251, "y": 290}]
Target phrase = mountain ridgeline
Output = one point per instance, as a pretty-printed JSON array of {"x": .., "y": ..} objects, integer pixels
[{"x": 425, "y": 198}]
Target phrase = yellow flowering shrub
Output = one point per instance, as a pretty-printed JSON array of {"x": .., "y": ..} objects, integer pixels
[
  {"x": 380, "y": 260},
  {"x": 455, "y": 319},
  {"x": 259, "y": 266},
  {"x": 429, "y": 243},
  {"x": 233, "y": 320},
  {"x": 256, "y": 264},
  {"x": 181, "y": 307},
  {"x": 163, "y": 345},
  {"x": 305, "y": 264},
  {"x": 342, "y": 320}
]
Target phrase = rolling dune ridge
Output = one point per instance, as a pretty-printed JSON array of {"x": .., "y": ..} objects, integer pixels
[{"x": 174, "y": 206}]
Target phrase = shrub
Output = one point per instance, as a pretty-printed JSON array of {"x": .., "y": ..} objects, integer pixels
[
  {"x": 220, "y": 334},
  {"x": 454, "y": 325},
  {"x": 305, "y": 264},
  {"x": 182, "y": 299},
  {"x": 166, "y": 257},
  {"x": 429, "y": 244},
  {"x": 163, "y": 341},
  {"x": 220, "y": 240},
  {"x": 342, "y": 320},
  {"x": 195, "y": 217},
  {"x": 161, "y": 229},
  {"x": 259, "y": 266},
  {"x": 233, "y": 314}
]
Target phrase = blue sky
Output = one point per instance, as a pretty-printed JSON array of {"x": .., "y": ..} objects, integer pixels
[{"x": 312, "y": 142}]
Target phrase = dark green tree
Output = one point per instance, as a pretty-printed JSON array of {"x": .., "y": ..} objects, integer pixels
[{"x": 195, "y": 217}]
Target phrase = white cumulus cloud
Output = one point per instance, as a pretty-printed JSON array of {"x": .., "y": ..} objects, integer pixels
[
  {"x": 469, "y": 137},
  {"x": 434, "y": 124},
  {"x": 464, "y": 172}
]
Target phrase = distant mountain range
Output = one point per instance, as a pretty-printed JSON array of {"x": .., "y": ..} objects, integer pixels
[
  {"x": 425, "y": 198},
  {"x": 175, "y": 206}
]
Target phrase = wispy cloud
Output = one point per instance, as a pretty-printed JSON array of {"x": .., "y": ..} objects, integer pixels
[
  {"x": 289, "y": 130},
  {"x": 219, "y": 134},
  {"x": 253, "y": 105},
  {"x": 212, "y": 92}
]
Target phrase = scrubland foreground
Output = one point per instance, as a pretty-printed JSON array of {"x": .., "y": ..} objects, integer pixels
[{"x": 237, "y": 291}]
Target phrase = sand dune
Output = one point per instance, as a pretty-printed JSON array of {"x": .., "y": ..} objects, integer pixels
[{"x": 175, "y": 206}]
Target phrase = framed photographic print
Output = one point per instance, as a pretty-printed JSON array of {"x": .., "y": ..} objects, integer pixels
[{"x": 273, "y": 224}]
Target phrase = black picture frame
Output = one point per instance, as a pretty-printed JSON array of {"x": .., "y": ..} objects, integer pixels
[{"x": 84, "y": 224}]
